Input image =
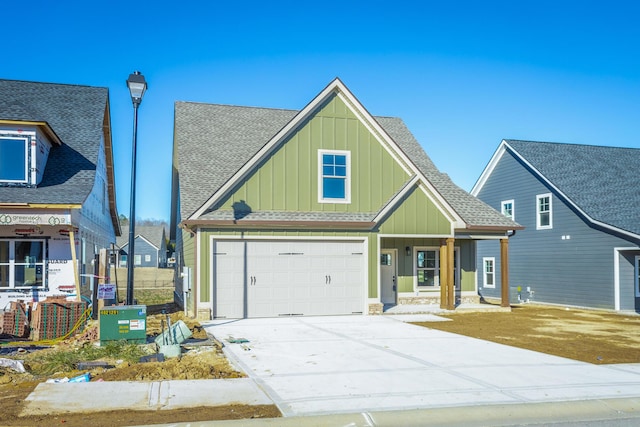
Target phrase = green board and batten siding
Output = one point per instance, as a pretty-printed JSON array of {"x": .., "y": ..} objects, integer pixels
[
  {"x": 416, "y": 214},
  {"x": 288, "y": 179}
]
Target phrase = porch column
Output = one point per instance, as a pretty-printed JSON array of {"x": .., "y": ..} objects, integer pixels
[
  {"x": 443, "y": 274},
  {"x": 504, "y": 272},
  {"x": 451, "y": 291}
]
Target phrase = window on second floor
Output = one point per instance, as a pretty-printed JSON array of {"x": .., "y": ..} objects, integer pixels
[
  {"x": 14, "y": 159},
  {"x": 544, "y": 218},
  {"x": 508, "y": 208},
  {"x": 334, "y": 178}
]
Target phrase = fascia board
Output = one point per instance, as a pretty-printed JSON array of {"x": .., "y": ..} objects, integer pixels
[
  {"x": 268, "y": 147},
  {"x": 48, "y": 130},
  {"x": 488, "y": 170}
]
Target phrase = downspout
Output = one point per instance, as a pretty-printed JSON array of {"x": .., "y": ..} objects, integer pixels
[{"x": 194, "y": 288}]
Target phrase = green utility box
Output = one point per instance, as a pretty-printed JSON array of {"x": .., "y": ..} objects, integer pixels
[{"x": 123, "y": 322}]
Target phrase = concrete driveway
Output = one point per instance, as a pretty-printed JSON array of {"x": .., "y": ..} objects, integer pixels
[{"x": 342, "y": 364}]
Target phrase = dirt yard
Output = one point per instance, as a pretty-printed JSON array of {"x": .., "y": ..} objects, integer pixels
[
  {"x": 203, "y": 359},
  {"x": 590, "y": 336}
]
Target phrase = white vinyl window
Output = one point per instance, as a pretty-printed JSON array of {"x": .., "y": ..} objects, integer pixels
[
  {"x": 14, "y": 159},
  {"x": 544, "y": 218},
  {"x": 334, "y": 176},
  {"x": 508, "y": 209},
  {"x": 427, "y": 268},
  {"x": 489, "y": 272},
  {"x": 22, "y": 263}
]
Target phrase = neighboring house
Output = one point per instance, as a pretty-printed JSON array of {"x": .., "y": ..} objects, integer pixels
[
  {"x": 150, "y": 246},
  {"x": 580, "y": 205},
  {"x": 56, "y": 187},
  {"x": 326, "y": 210}
]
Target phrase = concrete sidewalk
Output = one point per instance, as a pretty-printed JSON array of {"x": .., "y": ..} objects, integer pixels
[{"x": 141, "y": 396}]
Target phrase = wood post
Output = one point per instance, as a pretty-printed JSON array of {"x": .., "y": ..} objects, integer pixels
[
  {"x": 504, "y": 272},
  {"x": 451, "y": 291},
  {"x": 443, "y": 275}
]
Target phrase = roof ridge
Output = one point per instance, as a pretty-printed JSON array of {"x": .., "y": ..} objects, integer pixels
[{"x": 574, "y": 144}]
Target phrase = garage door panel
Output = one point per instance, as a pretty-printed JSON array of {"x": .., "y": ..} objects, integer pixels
[{"x": 228, "y": 266}]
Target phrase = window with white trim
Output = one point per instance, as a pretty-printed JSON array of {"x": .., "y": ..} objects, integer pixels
[
  {"x": 334, "y": 176},
  {"x": 21, "y": 264},
  {"x": 544, "y": 219},
  {"x": 14, "y": 159},
  {"x": 489, "y": 272},
  {"x": 427, "y": 267},
  {"x": 508, "y": 208}
]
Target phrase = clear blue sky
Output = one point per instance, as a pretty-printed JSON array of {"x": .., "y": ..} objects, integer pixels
[{"x": 463, "y": 75}]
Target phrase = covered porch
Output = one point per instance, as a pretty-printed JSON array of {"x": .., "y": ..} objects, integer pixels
[{"x": 425, "y": 273}]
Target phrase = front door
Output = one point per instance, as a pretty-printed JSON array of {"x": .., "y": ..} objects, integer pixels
[{"x": 388, "y": 276}]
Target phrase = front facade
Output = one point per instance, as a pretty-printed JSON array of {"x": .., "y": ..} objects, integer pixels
[
  {"x": 57, "y": 193},
  {"x": 321, "y": 211},
  {"x": 579, "y": 205}
]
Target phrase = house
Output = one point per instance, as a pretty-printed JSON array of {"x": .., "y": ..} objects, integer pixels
[
  {"x": 580, "y": 208},
  {"x": 150, "y": 247},
  {"x": 323, "y": 211},
  {"x": 57, "y": 191}
]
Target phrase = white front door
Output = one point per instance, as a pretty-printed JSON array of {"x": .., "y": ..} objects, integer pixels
[{"x": 388, "y": 276}]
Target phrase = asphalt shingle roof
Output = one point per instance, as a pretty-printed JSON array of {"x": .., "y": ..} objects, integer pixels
[
  {"x": 601, "y": 181},
  {"x": 153, "y": 233},
  {"x": 214, "y": 141},
  {"x": 76, "y": 114}
]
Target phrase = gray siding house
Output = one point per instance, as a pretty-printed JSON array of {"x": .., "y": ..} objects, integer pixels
[
  {"x": 579, "y": 205},
  {"x": 150, "y": 247}
]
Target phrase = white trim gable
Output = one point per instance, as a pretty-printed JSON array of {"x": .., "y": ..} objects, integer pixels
[
  {"x": 488, "y": 170},
  {"x": 338, "y": 88},
  {"x": 495, "y": 159}
]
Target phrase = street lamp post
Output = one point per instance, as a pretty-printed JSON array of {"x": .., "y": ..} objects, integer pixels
[{"x": 137, "y": 86}]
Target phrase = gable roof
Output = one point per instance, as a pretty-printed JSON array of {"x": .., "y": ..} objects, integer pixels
[
  {"x": 79, "y": 117},
  {"x": 217, "y": 144},
  {"x": 600, "y": 182},
  {"x": 154, "y": 234}
]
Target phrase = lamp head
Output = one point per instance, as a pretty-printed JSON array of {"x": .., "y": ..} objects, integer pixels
[{"x": 137, "y": 86}]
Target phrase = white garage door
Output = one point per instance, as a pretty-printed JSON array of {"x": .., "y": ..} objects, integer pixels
[{"x": 285, "y": 278}]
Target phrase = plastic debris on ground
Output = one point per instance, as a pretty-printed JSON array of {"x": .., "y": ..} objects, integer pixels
[{"x": 16, "y": 365}]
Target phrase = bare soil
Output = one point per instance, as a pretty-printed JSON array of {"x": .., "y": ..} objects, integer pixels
[
  {"x": 590, "y": 336},
  {"x": 202, "y": 360}
]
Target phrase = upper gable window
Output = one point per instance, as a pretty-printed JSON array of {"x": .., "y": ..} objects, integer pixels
[
  {"x": 334, "y": 180},
  {"x": 544, "y": 218},
  {"x": 14, "y": 159},
  {"x": 508, "y": 208}
]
